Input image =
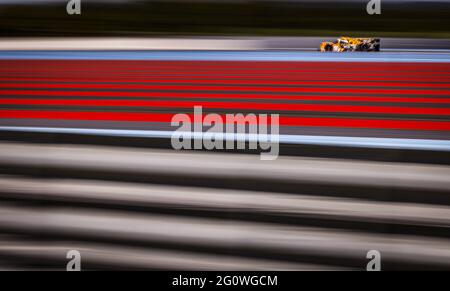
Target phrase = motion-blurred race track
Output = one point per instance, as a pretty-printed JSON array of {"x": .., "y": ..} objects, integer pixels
[
  {"x": 387, "y": 95},
  {"x": 86, "y": 161}
]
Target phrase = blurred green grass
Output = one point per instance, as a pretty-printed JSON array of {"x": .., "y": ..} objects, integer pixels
[{"x": 256, "y": 18}]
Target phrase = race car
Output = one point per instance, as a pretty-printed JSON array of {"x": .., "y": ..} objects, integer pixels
[{"x": 349, "y": 44}]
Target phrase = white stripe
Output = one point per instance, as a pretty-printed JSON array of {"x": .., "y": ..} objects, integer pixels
[
  {"x": 363, "y": 142},
  {"x": 286, "y": 56}
]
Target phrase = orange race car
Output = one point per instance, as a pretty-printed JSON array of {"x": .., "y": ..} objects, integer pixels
[{"x": 349, "y": 44}]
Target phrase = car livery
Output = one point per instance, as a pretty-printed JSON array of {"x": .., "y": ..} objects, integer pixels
[{"x": 349, "y": 44}]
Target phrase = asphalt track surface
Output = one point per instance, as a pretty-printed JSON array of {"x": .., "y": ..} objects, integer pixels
[{"x": 378, "y": 99}]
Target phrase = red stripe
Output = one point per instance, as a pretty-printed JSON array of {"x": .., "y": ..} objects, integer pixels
[
  {"x": 288, "y": 121},
  {"x": 225, "y": 95},
  {"x": 267, "y": 78},
  {"x": 230, "y": 105},
  {"x": 131, "y": 72},
  {"x": 144, "y": 68},
  {"x": 273, "y": 65},
  {"x": 217, "y": 82},
  {"x": 137, "y": 72}
]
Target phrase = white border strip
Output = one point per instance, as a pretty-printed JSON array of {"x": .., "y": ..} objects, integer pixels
[
  {"x": 286, "y": 56},
  {"x": 362, "y": 142}
]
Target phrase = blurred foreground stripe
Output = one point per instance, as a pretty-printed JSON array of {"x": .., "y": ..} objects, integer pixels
[{"x": 129, "y": 208}]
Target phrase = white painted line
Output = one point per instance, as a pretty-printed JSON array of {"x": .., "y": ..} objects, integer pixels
[
  {"x": 344, "y": 141},
  {"x": 244, "y": 55}
]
